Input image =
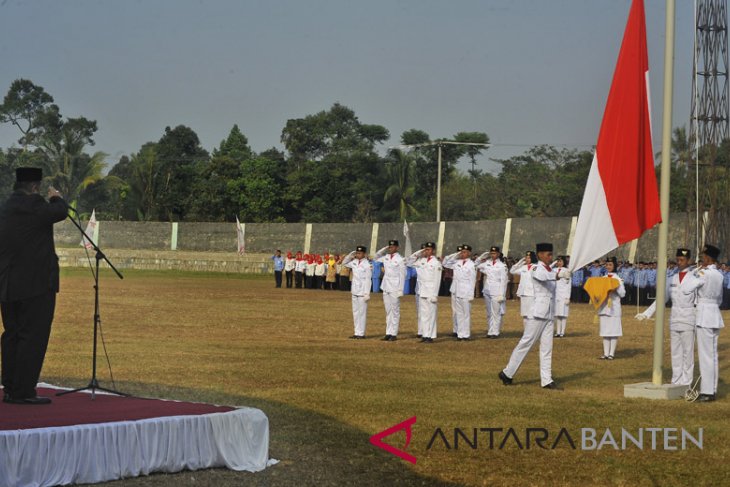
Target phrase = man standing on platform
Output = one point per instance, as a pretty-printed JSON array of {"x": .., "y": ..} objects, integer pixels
[
  {"x": 278, "y": 267},
  {"x": 29, "y": 281},
  {"x": 707, "y": 281},
  {"x": 393, "y": 282},
  {"x": 495, "y": 289},
  {"x": 462, "y": 289},
  {"x": 429, "y": 280},
  {"x": 539, "y": 322},
  {"x": 362, "y": 273}
]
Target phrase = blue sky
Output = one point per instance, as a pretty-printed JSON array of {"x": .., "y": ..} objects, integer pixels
[{"x": 527, "y": 72}]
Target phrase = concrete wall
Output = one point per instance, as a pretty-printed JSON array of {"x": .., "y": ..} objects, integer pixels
[{"x": 190, "y": 239}]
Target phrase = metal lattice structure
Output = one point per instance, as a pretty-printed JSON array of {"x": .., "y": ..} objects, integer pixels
[
  {"x": 710, "y": 110},
  {"x": 710, "y": 119}
]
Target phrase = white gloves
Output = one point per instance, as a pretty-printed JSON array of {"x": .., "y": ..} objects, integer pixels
[
  {"x": 382, "y": 251},
  {"x": 567, "y": 300},
  {"x": 564, "y": 273},
  {"x": 500, "y": 299},
  {"x": 520, "y": 262},
  {"x": 483, "y": 256},
  {"x": 433, "y": 299},
  {"x": 366, "y": 297},
  {"x": 640, "y": 317}
]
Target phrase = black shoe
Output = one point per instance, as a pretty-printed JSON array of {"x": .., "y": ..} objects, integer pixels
[
  {"x": 454, "y": 335},
  {"x": 706, "y": 398},
  {"x": 419, "y": 336},
  {"x": 426, "y": 340},
  {"x": 386, "y": 338},
  {"x": 29, "y": 400},
  {"x": 505, "y": 380},
  {"x": 552, "y": 385},
  {"x": 392, "y": 338},
  {"x": 357, "y": 337}
]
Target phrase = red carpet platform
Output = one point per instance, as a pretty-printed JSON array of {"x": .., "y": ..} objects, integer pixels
[{"x": 79, "y": 440}]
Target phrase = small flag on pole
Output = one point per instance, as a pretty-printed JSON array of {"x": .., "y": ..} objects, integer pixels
[
  {"x": 241, "y": 233},
  {"x": 90, "y": 228},
  {"x": 621, "y": 200},
  {"x": 406, "y": 234}
]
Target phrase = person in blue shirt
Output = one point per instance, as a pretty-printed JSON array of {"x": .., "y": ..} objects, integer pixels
[
  {"x": 377, "y": 275},
  {"x": 278, "y": 267},
  {"x": 576, "y": 286},
  {"x": 626, "y": 272},
  {"x": 596, "y": 270},
  {"x": 651, "y": 282},
  {"x": 725, "y": 269}
]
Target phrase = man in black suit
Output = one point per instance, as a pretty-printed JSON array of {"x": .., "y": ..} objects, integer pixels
[{"x": 28, "y": 283}]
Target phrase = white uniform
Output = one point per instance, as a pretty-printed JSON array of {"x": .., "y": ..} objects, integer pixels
[
  {"x": 494, "y": 291},
  {"x": 708, "y": 284},
  {"x": 681, "y": 326},
  {"x": 362, "y": 273},
  {"x": 609, "y": 314},
  {"x": 538, "y": 324},
  {"x": 429, "y": 281},
  {"x": 562, "y": 305},
  {"x": 524, "y": 289},
  {"x": 462, "y": 293},
  {"x": 290, "y": 264},
  {"x": 394, "y": 277}
]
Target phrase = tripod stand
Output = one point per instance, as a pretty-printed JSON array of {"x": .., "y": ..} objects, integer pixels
[{"x": 93, "y": 385}]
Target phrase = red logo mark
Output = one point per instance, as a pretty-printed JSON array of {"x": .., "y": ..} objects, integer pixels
[{"x": 377, "y": 439}]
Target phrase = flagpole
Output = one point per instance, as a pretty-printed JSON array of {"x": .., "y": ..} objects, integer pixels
[{"x": 664, "y": 195}]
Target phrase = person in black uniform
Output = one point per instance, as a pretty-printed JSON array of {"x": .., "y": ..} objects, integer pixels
[{"x": 28, "y": 283}]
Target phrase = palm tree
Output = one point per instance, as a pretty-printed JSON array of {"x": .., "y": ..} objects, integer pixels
[{"x": 401, "y": 191}]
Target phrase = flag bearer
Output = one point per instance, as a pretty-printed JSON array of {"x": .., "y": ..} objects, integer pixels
[
  {"x": 462, "y": 289},
  {"x": 429, "y": 281},
  {"x": 393, "y": 282},
  {"x": 495, "y": 289},
  {"x": 362, "y": 272}
]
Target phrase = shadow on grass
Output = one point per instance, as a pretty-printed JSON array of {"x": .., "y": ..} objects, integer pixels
[
  {"x": 560, "y": 380},
  {"x": 313, "y": 449}
]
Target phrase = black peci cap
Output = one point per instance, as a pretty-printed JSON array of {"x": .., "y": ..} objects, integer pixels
[
  {"x": 361, "y": 248},
  {"x": 466, "y": 247},
  {"x": 711, "y": 251},
  {"x": 28, "y": 174},
  {"x": 544, "y": 247},
  {"x": 684, "y": 253},
  {"x": 430, "y": 245},
  {"x": 494, "y": 248},
  {"x": 393, "y": 242}
]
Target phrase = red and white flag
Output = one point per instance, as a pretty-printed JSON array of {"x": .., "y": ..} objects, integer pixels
[
  {"x": 90, "y": 228},
  {"x": 621, "y": 200},
  {"x": 241, "y": 233}
]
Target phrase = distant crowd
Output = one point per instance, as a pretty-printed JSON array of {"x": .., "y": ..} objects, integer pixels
[{"x": 326, "y": 271}]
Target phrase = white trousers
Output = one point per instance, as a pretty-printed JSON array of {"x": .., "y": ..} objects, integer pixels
[
  {"x": 707, "y": 354},
  {"x": 418, "y": 314},
  {"x": 453, "y": 313},
  {"x": 560, "y": 325},
  {"x": 427, "y": 317},
  {"x": 609, "y": 346},
  {"x": 534, "y": 329},
  {"x": 494, "y": 315},
  {"x": 461, "y": 311},
  {"x": 683, "y": 356},
  {"x": 392, "y": 313},
  {"x": 359, "y": 314}
]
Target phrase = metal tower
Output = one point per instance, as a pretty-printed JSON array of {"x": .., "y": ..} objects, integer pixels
[
  {"x": 710, "y": 119},
  {"x": 710, "y": 110}
]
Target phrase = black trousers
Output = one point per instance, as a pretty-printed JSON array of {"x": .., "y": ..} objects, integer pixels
[
  {"x": 289, "y": 278},
  {"x": 298, "y": 279},
  {"x": 277, "y": 278},
  {"x": 24, "y": 342}
]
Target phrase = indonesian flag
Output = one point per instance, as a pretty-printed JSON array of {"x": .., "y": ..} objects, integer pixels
[
  {"x": 90, "y": 227},
  {"x": 241, "y": 233},
  {"x": 621, "y": 200},
  {"x": 406, "y": 234}
]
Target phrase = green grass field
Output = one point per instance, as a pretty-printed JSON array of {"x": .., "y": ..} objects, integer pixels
[{"x": 236, "y": 340}]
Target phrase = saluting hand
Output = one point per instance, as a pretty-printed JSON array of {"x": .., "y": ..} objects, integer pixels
[{"x": 53, "y": 192}]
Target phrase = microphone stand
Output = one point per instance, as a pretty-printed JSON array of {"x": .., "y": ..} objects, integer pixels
[{"x": 93, "y": 385}]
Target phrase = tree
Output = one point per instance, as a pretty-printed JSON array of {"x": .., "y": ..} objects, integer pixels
[
  {"x": 259, "y": 190},
  {"x": 27, "y": 106},
  {"x": 399, "y": 196},
  {"x": 333, "y": 172},
  {"x": 180, "y": 157}
]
